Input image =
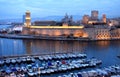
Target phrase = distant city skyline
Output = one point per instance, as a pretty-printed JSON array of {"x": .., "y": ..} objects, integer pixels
[{"x": 44, "y": 8}]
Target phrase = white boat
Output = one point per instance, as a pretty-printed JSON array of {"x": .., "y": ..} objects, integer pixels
[
  {"x": 24, "y": 69},
  {"x": 92, "y": 73},
  {"x": 7, "y": 61},
  {"x": 23, "y": 59},
  {"x": 19, "y": 60},
  {"x": 40, "y": 58},
  {"x": 30, "y": 73},
  {"x": 33, "y": 59},
  {"x": 1, "y": 62},
  {"x": 28, "y": 58},
  {"x": 13, "y": 74},
  {"x": 13, "y": 60},
  {"x": 84, "y": 74},
  {"x": 21, "y": 75}
]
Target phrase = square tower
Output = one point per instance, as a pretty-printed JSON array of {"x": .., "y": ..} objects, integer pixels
[
  {"x": 27, "y": 19},
  {"x": 94, "y": 15}
]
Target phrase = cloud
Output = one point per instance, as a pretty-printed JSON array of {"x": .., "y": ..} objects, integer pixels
[{"x": 15, "y": 8}]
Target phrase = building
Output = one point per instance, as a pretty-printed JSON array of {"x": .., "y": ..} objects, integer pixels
[
  {"x": 104, "y": 18},
  {"x": 27, "y": 19},
  {"x": 45, "y": 23},
  {"x": 113, "y": 22},
  {"x": 68, "y": 20},
  {"x": 98, "y": 32},
  {"x": 85, "y": 19},
  {"x": 94, "y": 15},
  {"x": 47, "y": 28},
  {"x": 23, "y": 19},
  {"x": 94, "y": 20},
  {"x": 102, "y": 33}
]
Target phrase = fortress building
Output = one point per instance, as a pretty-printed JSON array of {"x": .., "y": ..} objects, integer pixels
[
  {"x": 97, "y": 32},
  {"x": 52, "y": 30}
]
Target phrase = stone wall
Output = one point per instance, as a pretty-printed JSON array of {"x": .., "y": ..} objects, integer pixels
[
  {"x": 91, "y": 33},
  {"x": 54, "y": 32}
]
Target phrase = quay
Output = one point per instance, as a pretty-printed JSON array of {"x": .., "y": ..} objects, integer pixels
[
  {"x": 17, "y": 36},
  {"x": 63, "y": 38}
]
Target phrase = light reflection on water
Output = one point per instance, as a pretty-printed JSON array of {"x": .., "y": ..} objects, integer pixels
[{"x": 48, "y": 47}]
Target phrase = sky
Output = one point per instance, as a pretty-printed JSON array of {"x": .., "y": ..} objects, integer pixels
[{"x": 44, "y": 8}]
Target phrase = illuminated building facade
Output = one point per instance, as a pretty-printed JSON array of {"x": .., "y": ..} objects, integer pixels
[
  {"x": 27, "y": 19},
  {"x": 104, "y": 18},
  {"x": 55, "y": 31},
  {"x": 102, "y": 33},
  {"x": 85, "y": 19},
  {"x": 52, "y": 31}
]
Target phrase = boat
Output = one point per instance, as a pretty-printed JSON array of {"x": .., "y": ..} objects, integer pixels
[
  {"x": 24, "y": 69},
  {"x": 23, "y": 59},
  {"x": 21, "y": 75},
  {"x": 84, "y": 74},
  {"x": 32, "y": 59},
  {"x": 7, "y": 61},
  {"x": 18, "y": 60},
  {"x": 40, "y": 58},
  {"x": 13, "y": 61},
  {"x": 1, "y": 62},
  {"x": 13, "y": 74}
]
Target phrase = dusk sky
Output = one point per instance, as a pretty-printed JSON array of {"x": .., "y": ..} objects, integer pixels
[{"x": 43, "y": 8}]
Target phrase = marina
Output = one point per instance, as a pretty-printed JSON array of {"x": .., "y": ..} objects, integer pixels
[{"x": 44, "y": 65}]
